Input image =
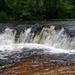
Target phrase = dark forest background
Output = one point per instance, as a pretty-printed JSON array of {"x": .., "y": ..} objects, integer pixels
[{"x": 37, "y": 9}]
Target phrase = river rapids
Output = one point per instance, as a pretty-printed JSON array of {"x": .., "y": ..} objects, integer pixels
[{"x": 56, "y": 43}]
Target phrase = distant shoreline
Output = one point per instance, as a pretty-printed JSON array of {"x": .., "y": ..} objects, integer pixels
[{"x": 37, "y": 22}]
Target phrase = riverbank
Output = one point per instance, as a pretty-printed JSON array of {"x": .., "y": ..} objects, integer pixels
[{"x": 30, "y": 67}]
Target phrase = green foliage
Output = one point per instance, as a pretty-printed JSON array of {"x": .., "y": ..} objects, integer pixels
[
  {"x": 3, "y": 16},
  {"x": 36, "y": 9}
]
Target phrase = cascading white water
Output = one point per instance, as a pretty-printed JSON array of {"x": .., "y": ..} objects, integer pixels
[
  {"x": 54, "y": 41},
  {"x": 49, "y": 37},
  {"x": 56, "y": 45}
]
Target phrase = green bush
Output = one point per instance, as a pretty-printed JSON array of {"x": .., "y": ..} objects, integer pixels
[
  {"x": 3, "y": 16},
  {"x": 36, "y": 9}
]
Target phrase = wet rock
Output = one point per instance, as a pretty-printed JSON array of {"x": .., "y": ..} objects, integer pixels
[{"x": 70, "y": 30}]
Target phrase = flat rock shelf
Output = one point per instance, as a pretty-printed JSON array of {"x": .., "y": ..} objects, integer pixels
[{"x": 35, "y": 67}]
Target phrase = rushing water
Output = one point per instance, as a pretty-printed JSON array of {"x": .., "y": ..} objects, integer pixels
[{"x": 56, "y": 41}]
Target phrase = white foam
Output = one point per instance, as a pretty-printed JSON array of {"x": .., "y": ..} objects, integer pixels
[
  {"x": 47, "y": 49},
  {"x": 49, "y": 40}
]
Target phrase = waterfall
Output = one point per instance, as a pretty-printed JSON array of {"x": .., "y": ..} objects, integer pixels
[
  {"x": 55, "y": 42},
  {"x": 47, "y": 37}
]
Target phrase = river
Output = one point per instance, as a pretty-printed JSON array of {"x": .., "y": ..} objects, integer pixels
[{"x": 37, "y": 48}]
